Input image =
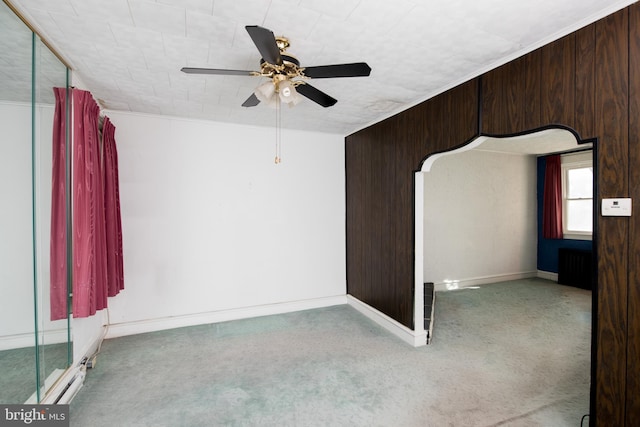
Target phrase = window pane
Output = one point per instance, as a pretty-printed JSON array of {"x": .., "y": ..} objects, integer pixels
[
  {"x": 580, "y": 183},
  {"x": 579, "y": 215}
]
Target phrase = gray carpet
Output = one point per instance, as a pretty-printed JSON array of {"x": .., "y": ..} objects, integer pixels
[
  {"x": 18, "y": 375},
  {"x": 18, "y": 370},
  {"x": 508, "y": 354}
]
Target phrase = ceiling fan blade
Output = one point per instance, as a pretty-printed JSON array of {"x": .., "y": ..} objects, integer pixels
[
  {"x": 265, "y": 41},
  {"x": 316, "y": 95},
  {"x": 190, "y": 70},
  {"x": 356, "y": 69},
  {"x": 251, "y": 101}
]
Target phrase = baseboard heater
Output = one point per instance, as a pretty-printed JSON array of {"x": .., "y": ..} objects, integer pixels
[
  {"x": 575, "y": 267},
  {"x": 66, "y": 387},
  {"x": 71, "y": 389}
]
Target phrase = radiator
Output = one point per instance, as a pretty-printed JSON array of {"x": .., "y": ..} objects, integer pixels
[
  {"x": 429, "y": 309},
  {"x": 575, "y": 267}
]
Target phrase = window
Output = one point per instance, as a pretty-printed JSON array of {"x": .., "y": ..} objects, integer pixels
[{"x": 577, "y": 195}]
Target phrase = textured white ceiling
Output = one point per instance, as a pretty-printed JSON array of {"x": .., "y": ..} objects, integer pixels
[
  {"x": 129, "y": 52},
  {"x": 533, "y": 144},
  {"x": 538, "y": 143}
]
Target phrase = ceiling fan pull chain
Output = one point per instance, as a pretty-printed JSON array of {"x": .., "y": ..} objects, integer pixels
[{"x": 278, "y": 131}]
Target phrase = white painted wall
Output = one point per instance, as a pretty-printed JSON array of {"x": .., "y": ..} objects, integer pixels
[
  {"x": 16, "y": 245},
  {"x": 211, "y": 224},
  {"x": 16, "y": 259},
  {"x": 479, "y": 218}
]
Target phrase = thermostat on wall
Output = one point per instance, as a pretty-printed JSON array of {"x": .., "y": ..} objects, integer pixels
[{"x": 616, "y": 207}]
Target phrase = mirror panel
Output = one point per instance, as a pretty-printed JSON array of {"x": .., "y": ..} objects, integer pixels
[
  {"x": 17, "y": 355},
  {"x": 32, "y": 348},
  {"x": 54, "y": 345}
]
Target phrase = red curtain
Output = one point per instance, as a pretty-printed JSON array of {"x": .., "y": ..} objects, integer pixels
[
  {"x": 89, "y": 245},
  {"x": 97, "y": 227},
  {"x": 552, "y": 199},
  {"x": 58, "y": 243},
  {"x": 113, "y": 222}
]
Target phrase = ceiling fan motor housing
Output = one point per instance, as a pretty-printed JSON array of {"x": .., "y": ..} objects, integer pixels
[{"x": 290, "y": 68}]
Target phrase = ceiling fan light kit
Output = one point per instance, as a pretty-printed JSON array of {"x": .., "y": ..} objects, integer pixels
[
  {"x": 265, "y": 91},
  {"x": 278, "y": 90},
  {"x": 288, "y": 94}
]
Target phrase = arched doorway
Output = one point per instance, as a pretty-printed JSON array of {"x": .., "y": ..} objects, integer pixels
[
  {"x": 518, "y": 147},
  {"x": 479, "y": 166}
]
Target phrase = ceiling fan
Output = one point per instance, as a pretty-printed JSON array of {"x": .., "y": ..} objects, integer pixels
[{"x": 287, "y": 79}]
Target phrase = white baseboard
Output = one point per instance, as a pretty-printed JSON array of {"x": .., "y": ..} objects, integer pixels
[
  {"x": 151, "y": 325},
  {"x": 477, "y": 281},
  {"x": 413, "y": 338},
  {"x": 88, "y": 333},
  {"x": 548, "y": 275},
  {"x": 16, "y": 341},
  {"x": 27, "y": 340}
]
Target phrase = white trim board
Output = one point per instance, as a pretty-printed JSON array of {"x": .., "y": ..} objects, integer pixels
[
  {"x": 476, "y": 281},
  {"x": 12, "y": 342},
  {"x": 418, "y": 274},
  {"x": 151, "y": 325},
  {"x": 413, "y": 338},
  {"x": 549, "y": 275}
]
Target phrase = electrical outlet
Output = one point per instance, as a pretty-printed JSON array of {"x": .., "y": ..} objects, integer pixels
[{"x": 91, "y": 363}]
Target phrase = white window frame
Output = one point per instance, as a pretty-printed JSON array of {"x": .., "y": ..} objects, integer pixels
[{"x": 570, "y": 161}]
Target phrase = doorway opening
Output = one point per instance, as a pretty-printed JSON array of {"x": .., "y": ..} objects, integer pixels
[
  {"x": 477, "y": 223},
  {"x": 477, "y": 216}
]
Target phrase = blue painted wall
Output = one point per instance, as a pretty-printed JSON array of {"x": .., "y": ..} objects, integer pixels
[{"x": 548, "y": 248}]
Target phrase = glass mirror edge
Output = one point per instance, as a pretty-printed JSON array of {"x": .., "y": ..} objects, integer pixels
[
  {"x": 34, "y": 246},
  {"x": 55, "y": 339}
]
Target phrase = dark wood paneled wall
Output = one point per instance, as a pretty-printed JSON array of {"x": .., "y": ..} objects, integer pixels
[
  {"x": 371, "y": 224},
  {"x": 557, "y": 82},
  {"x": 633, "y": 337},
  {"x": 585, "y": 80},
  {"x": 381, "y": 161},
  {"x": 612, "y": 110},
  {"x": 511, "y": 96},
  {"x": 588, "y": 81}
]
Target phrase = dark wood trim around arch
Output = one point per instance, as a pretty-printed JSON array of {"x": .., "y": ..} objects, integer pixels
[{"x": 588, "y": 81}]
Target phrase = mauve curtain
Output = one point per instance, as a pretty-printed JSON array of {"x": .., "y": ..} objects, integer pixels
[
  {"x": 89, "y": 240},
  {"x": 58, "y": 243},
  {"x": 113, "y": 222},
  {"x": 97, "y": 227},
  {"x": 552, "y": 199}
]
